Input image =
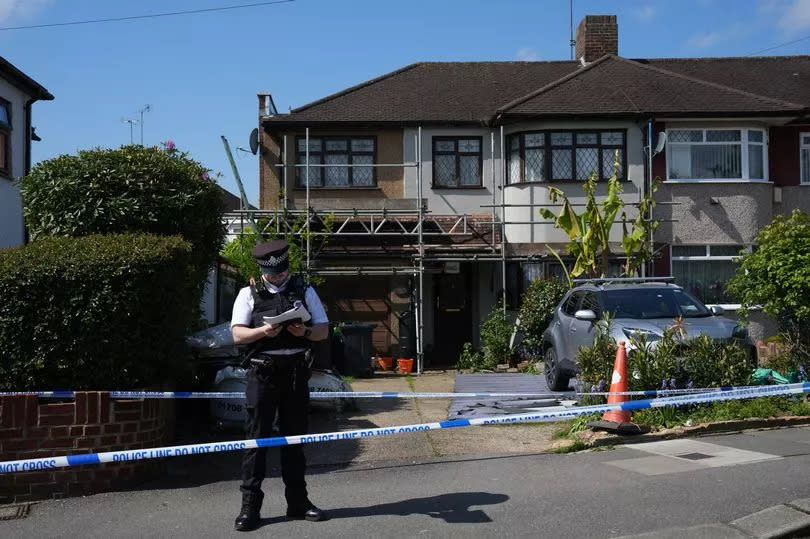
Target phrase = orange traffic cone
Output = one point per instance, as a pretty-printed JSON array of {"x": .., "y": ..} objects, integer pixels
[
  {"x": 618, "y": 421},
  {"x": 618, "y": 383}
]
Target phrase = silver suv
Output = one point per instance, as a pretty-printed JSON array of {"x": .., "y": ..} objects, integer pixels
[{"x": 639, "y": 307}]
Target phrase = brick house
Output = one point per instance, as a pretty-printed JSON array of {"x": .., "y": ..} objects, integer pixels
[{"x": 470, "y": 149}]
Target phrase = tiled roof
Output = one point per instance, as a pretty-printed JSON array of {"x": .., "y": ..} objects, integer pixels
[
  {"x": 475, "y": 92},
  {"x": 613, "y": 85}
]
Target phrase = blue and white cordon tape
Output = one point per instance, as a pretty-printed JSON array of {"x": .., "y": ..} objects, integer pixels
[
  {"x": 66, "y": 394},
  {"x": 236, "y": 445}
]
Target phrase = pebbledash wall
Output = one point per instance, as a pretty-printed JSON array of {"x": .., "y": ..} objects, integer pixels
[{"x": 91, "y": 423}]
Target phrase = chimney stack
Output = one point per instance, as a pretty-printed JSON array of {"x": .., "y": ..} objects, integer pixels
[{"x": 597, "y": 35}]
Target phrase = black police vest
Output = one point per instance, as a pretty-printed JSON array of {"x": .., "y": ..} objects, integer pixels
[{"x": 266, "y": 303}]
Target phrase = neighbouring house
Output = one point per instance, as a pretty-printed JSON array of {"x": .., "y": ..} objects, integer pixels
[
  {"x": 18, "y": 92},
  {"x": 464, "y": 154}
]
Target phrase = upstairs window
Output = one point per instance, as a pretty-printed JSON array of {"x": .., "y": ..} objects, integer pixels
[
  {"x": 717, "y": 154},
  {"x": 340, "y": 152},
  {"x": 457, "y": 162},
  {"x": 565, "y": 155},
  {"x": 804, "y": 158},
  {"x": 5, "y": 138}
]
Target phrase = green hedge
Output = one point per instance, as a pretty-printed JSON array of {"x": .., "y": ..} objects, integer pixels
[
  {"x": 95, "y": 312},
  {"x": 128, "y": 189}
]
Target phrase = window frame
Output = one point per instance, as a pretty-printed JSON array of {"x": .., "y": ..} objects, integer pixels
[
  {"x": 6, "y": 130},
  {"x": 744, "y": 143},
  {"x": 803, "y": 146},
  {"x": 458, "y": 154},
  {"x": 707, "y": 257},
  {"x": 548, "y": 147},
  {"x": 320, "y": 171}
]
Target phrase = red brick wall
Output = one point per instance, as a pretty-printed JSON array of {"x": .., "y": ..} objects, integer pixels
[{"x": 91, "y": 423}]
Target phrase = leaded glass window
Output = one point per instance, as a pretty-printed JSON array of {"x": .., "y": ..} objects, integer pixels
[
  {"x": 457, "y": 162},
  {"x": 343, "y": 154}
]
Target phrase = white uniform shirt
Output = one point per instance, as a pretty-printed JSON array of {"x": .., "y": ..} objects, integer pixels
[{"x": 243, "y": 312}]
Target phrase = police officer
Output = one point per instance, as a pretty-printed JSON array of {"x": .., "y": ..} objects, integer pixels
[{"x": 277, "y": 379}]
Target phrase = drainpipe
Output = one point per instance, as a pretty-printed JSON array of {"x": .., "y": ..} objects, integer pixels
[{"x": 648, "y": 184}]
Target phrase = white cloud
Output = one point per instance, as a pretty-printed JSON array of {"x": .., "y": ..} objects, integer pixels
[
  {"x": 647, "y": 13},
  {"x": 732, "y": 32},
  {"x": 795, "y": 17},
  {"x": 526, "y": 54},
  {"x": 11, "y": 9}
]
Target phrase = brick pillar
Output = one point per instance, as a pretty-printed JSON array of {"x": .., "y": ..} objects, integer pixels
[{"x": 597, "y": 35}]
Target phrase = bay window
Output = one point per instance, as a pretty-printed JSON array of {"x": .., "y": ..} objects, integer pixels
[
  {"x": 704, "y": 270},
  {"x": 339, "y": 151},
  {"x": 717, "y": 154},
  {"x": 565, "y": 155}
]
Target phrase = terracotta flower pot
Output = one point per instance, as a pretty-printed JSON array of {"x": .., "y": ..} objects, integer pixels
[
  {"x": 386, "y": 363},
  {"x": 405, "y": 364}
]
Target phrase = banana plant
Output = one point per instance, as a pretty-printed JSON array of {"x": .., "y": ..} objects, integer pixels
[{"x": 589, "y": 231}]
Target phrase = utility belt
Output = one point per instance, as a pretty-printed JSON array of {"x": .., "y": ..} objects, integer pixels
[{"x": 268, "y": 360}]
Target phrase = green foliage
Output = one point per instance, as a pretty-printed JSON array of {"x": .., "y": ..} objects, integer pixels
[
  {"x": 762, "y": 408},
  {"x": 596, "y": 362},
  {"x": 96, "y": 312},
  {"x": 130, "y": 189},
  {"x": 589, "y": 232},
  {"x": 777, "y": 274},
  {"x": 674, "y": 361},
  {"x": 537, "y": 308},
  {"x": 495, "y": 335},
  {"x": 238, "y": 251}
]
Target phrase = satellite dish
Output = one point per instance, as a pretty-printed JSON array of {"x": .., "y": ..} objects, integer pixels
[
  {"x": 662, "y": 140},
  {"x": 254, "y": 141}
]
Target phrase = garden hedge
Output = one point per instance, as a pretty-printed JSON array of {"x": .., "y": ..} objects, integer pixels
[{"x": 94, "y": 312}]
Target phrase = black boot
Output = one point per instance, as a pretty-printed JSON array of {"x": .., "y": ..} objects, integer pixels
[
  {"x": 249, "y": 516},
  {"x": 306, "y": 511}
]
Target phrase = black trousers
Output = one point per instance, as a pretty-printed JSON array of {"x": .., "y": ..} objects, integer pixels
[{"x": 281, "y": 386}]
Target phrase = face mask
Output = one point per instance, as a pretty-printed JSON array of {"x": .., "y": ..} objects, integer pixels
[{"x": 276, "y": 287}]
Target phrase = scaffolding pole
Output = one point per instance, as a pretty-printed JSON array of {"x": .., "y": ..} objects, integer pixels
[
  {"x": 420, "y": 308},
  {"x": 492, "y": 175},
  {"x": 503, "y": 225},
  {"x": 307, "y": 204}
]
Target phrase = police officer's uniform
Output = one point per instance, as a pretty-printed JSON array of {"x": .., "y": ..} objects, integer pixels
[{"x": 277, "y": 381}]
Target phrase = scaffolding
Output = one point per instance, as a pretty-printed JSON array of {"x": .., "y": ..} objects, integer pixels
[{"x": 416, "y": 222}]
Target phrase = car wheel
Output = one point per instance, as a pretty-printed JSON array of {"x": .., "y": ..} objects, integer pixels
[{"x": 556, "y": 380}]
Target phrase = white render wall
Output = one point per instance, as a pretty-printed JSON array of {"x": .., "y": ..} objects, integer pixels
[
  {"x": 537, "y": 193},
  {"x": 473, "y": 201},
  {"x": 11, "y": 216}
]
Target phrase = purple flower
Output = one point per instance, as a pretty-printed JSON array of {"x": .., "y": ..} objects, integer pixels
[
  {"x": 663, "y": 384},
  {"x": 205, "y": 176},
  {"x": 601, "y": 385},
  {"x": 169, "y": 145},
  {"x": 593, "y": 389},
  {"x": 690, "y": 384},
  {"x": 673, "y": 384}
]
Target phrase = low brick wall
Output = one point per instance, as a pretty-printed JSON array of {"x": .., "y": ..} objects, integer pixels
[{"x": 91, "y": 423}]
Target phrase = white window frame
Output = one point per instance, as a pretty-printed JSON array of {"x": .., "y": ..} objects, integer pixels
[
  {"x": 803, "y": 146},
  {"x": 708, "y": 257},
  {"x": 743, "y": 142}
]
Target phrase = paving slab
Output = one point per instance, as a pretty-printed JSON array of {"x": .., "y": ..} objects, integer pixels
[
  {"x": 754, "y": 441},
  {"x": 708, "y": 531},
  {"x": 802, "y": 504},
  {"x": 776, "y": 521}
]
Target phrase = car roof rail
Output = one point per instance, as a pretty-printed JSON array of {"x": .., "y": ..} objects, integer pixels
[{"x": 625, "y": 280}]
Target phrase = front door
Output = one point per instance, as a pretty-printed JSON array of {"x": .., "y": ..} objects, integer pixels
[{"x": 453, "y": 317}]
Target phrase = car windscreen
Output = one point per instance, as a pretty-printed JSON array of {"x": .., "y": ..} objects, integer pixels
[{"x": 644, "y": 303}]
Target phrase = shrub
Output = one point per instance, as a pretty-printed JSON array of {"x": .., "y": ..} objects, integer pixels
[
  {"x": 97, "y": 312},
  {"x": 537, "y": 309},
  {"x": 130, "y": 189},
  {"x": 596, "y": 362},
  {"x": 495, "y": 335}
]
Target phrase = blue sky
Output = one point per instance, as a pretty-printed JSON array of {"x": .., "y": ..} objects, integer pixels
[{"x": 201, "y": 72}]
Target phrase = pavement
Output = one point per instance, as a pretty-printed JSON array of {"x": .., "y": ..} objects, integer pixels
[
  {"x": 476, "y": 482},
  {"x": 736, "y": 479}
]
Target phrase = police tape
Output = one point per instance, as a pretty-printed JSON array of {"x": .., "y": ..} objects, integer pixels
[
  {"x": 46, "y": 463},
  {"x": 368, "y": 394}
]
